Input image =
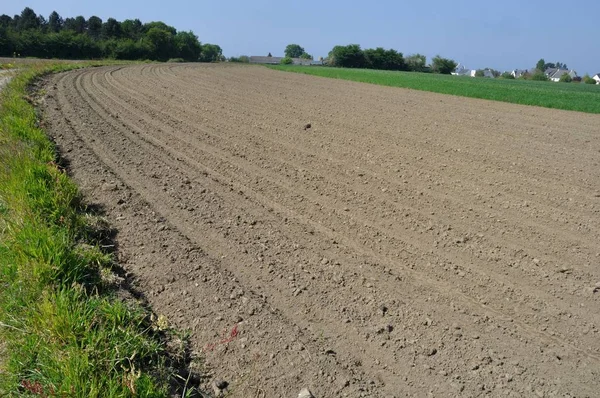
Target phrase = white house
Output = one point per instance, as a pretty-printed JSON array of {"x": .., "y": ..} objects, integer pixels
[
  {"x": 517, "y": 73},
  {"x": 486, "y": 73},
  {"x": 461, "y": 71},
  {"x": 597, "y": 78},
  {"x": 555, "y": 74}
]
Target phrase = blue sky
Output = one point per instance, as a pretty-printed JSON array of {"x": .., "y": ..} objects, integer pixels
[{"x": 501, "y": 35}]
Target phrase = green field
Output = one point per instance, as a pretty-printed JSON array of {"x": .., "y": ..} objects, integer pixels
[{"x": 568, "y": 96}]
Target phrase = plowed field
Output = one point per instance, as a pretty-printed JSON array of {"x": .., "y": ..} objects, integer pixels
[{"x": 405, "y": 244}]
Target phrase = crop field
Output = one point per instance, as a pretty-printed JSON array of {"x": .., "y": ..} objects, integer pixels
[
  {"x": 354, "y": 239},
  {"x": 568, "y": 96}
]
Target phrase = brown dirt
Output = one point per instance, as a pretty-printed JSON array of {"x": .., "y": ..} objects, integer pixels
[{"x": 406, "y": 244}]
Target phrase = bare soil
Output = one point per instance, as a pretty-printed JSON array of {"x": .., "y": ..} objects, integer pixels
[{"x": 405, "y": 244}]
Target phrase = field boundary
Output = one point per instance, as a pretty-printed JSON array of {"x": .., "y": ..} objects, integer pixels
[
  {"x": 64, "y": 326},
  {"x": 565, "y": 96}
]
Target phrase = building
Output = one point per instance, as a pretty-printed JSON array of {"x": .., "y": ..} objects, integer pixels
[
  {"x": 554, "y": 74},
  {"x": 517, "y": 73},
  {"x": 461, "y": 71},
  {"x": 277, "y": 60},
  {"x": 486, "y": 73},
  {"x": 596, "y": 77}
]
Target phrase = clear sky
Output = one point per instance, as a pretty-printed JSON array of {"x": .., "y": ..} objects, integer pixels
[{"x": 502, "y": 35}]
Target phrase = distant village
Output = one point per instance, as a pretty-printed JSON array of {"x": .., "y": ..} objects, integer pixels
[{"x": 552, "y": 74}]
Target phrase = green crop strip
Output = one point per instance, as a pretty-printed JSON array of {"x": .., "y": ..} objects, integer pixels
[{"x": 567, "y": 96}]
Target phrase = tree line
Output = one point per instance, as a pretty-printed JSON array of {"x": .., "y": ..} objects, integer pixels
[
  {"x": 353, "y": 56},
  {"x": 32, "y": 35}
]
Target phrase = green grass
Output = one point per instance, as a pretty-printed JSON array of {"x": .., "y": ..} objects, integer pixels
[
  {"x": 63, "y": 331},
  {"x": 568, "y": 96}
]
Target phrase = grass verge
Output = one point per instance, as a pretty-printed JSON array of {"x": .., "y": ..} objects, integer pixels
[
  {"x": 63, "y": 331},
  {"x": 567, "y": 96}
]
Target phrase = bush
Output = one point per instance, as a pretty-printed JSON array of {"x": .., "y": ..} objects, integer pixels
[
  {"x": 244, "y": 59},
  {"x": 507, "y": 75},
  {"x": 286, "y": 61},
  {"x": 588, "y": 80},
  {"x": 565, "y": 78},
  {"x": 539, "y": 76}
]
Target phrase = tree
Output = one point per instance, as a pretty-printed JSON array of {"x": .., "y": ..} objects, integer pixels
[
  {"x": 565, "y": 78},
  {"x": 161, "y": 43},
  {"x": 132, "y": 29},
  {"x": 286, "y": 61},
  {"x": 269, "y": 55},
  {"x": 187, "y": 45},
  {"x": 94, "y": 25},
  {"x": 28, "y": 20},
  {"x": 350, "y": 56},
  {"x": 294, "y": 51},
  {"x": 211, "y": 53},
  {"x": 416, "y": 62},
  {"x": 111, "y": 29},
  {"x": 507, "y": 75},
  {"x": 55, "y": 22},
  {"x": 77, "y": 24},
  {"x": 159, "y": 25},
  {"x": 541, "y": 65},
  {"x": 380, "y": 58},
  {"x": 306, "y": 56},
  {"x": 5, "y": 21},
  {"x": 560, "y": 65},
  {"x": 444, "y": 66}
]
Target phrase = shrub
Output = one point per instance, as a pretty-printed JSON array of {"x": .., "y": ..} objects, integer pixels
[
  {"x": 507, "y": 75},
  {"x": 286, "y": 61},
  {"x": 539, "y": 76},
  {"x": 588, "y": 80},
  {"x": 565, "y": 78}
]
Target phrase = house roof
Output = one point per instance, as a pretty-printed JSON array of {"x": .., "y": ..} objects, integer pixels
[{"x": 557, "y": 73}]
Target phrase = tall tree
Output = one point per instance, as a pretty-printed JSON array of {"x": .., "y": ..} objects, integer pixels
[
  {"x": 350, "y": 56},
  {"x": 441, "y": 65},
  {"x": 111, "y": 29},
  {"x": 94, "y": 25},
  {"x": 28, "y": 20},
  {"x": 55, "y": 22},
  {"x": 188, "y": 46},
  {"x": 77, "y": 24},
  {"x": 161, "y": 43},
  {"x": 6, "y": 21},
  {"x": 416, "y": 62},
  {"x": 293, "y": 51},
  {"x": 380, "y": 58},
  {"x": 541, "y": 65},
  {"x": 132, "y": 28}
]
